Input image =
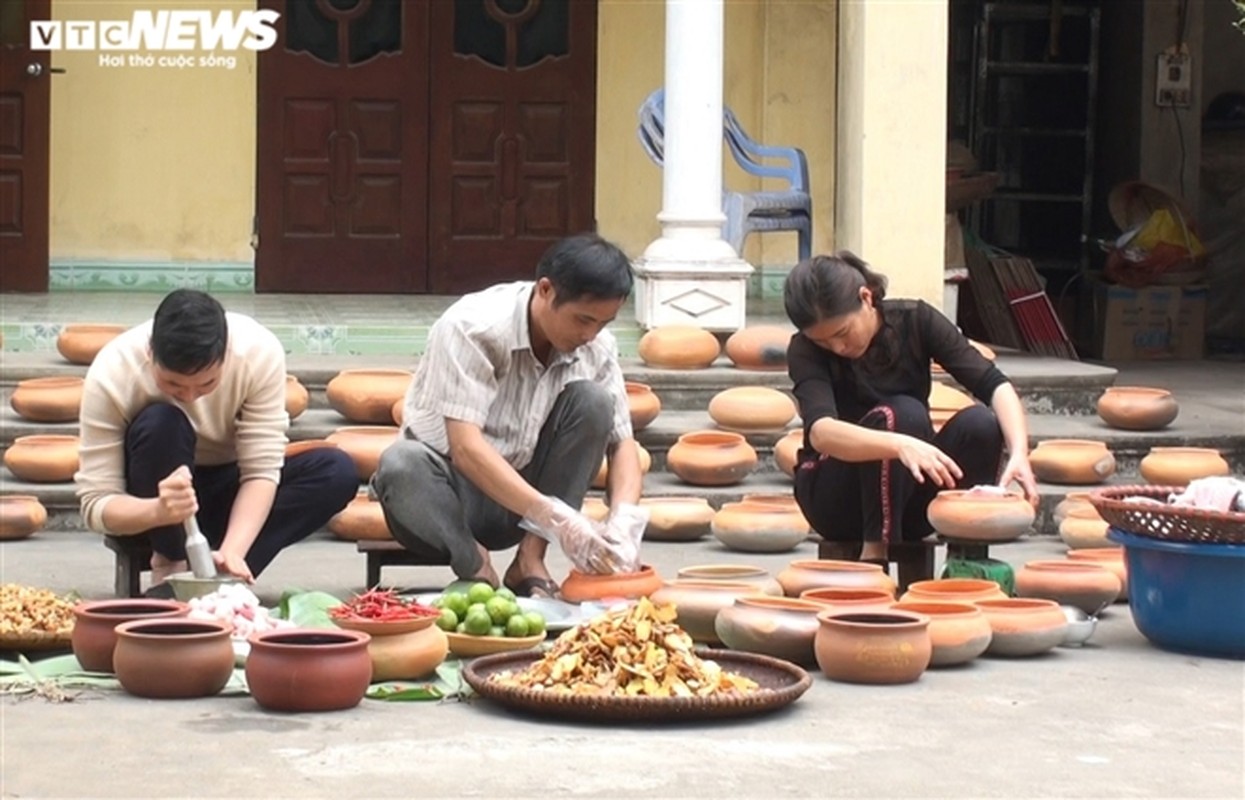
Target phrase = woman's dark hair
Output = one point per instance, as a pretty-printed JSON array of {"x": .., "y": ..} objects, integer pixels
[
  {"x": 823, "y": 287},
  {"x": 188, "y": 333},
  {"x": 585, "y": 266}
]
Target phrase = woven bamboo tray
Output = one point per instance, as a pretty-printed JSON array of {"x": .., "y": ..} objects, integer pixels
[
  {"x": 33, "y": 641},
  {"x": 1166, "y": 522}
]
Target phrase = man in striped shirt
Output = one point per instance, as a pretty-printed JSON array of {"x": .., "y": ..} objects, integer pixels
[{"x": 517, "y": 396}]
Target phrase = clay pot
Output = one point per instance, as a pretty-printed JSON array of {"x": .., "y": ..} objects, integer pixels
[
  {"x": 958, "y": 632},
  {"x": 362, "y": 518},
  {"x": 1112, "y": 558},
  {"x": 760, "y": 527},
  {"x": 580, "y": 586},
  {"x": 94, "y": 629},
  {"x": 173, "y": 658},
  {"x": 364, "y": 444},
  {"x": 697, "y": 604},
  {"x": 982, "y": 517},
  {"x": 678, "y": 347},
  {"x": 787, "y": 450},
  {"x": 308, "y": 670},
  {"x": 842, "y": 599},
  {"x": 733, "y": 573},
  {"x": 594, "y": 508},
  {"x": 1023, "y": 626},
  {"x": 306, "y": 445},
  {"x": 600, "y": 480},
  {"x": 1089, "y": 587},
  {"x": 643, "y": 403},
  {"x": 1070, "y": 501},
  {"x": 803, "y": 574},
  {"x": 1137, "y": 408},
  {"x": 761, "y": 347},
  {"x": 880, "y": 647},
  {"x": 677, "y": 519},
  {"x": 781, "y": 627},
  {"x": 947, "y": 398},
  {"x": 1078, "y": 461},
  {"x": 956, "y": 590},
  {"x": 20, "y": 516},
  {"x": 711, "y": 458},
  {"x": 398, "y": 412},
  {"x": 367, "y": 395},
  {"x": 407, "y": 656},
  {"x": 43, "y": 458},
  {"x": 296, "y": 397},
  {"x": 1177, "y": 466},
  {"x": 79, "y": 344},
  {"x": 48, "y": 399},
  {"x": 1082, "y": 528},
  {"x": 751, "y": 408}
]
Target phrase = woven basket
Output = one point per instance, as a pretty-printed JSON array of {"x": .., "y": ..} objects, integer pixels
[
  {"x": 31, "y": 641},
  {"x": 1166, "y": 522}
]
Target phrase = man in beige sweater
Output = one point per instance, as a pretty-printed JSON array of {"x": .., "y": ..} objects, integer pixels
[{"x": 185, "y": 415}]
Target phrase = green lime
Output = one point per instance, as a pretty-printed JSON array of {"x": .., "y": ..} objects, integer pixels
[
  {"x": 516, "y": 626},
  {"x": 498, "y": 610},
  {"x": 479, "y": 592},
  {"x": 477, "y": 608},
  {"x": 535, "y": 623},
  {"x": 477, "y": 624},
  {"x": 456, "y": 602},
  {"x": 448, "y": 621},
  {"x": 497, "y": 631},
  {"x": 504, "y": 592}
]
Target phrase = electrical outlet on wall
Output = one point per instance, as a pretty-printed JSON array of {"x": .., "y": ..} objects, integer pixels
[{"x": 1174, "y": 84}]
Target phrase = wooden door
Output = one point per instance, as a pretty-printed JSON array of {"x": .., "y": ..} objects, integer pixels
[{"x": 25, "y": 95}]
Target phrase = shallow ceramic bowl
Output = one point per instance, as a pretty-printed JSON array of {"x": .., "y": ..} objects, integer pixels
[
  {"x": 186, "y": 585},
  {"x": 1080, "y": 627},
  {"x": 465, "y": 645},
  {"x": 386, "y": 627}
]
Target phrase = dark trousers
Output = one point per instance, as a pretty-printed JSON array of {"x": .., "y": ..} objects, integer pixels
[
  {"x": 880, "y": 500},
  {"x": 314, "y": 486}
]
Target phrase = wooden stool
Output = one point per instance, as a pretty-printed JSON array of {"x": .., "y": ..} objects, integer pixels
[
  {"x": 133, "y": 559},
  {"x": 387, "y": 552},
  {"x": 914, "y": 560}
]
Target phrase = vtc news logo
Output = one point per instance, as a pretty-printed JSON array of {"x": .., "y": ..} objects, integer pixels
[{"x": 160, "y": 30}]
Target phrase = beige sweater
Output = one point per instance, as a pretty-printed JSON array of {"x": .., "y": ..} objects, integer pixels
[{"x": 242, "y": 420}]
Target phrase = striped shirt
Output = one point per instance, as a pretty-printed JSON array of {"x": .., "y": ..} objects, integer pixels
[{"x": 479, "y": 368}]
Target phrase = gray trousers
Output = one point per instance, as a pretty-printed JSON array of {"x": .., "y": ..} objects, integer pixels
[{"x": 432, "y": 507}]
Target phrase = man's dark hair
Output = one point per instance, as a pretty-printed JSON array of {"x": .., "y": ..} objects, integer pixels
[
  {"x": 585, "y": 266},
  {"x": 188, "y": 333},
  {"x": 824, "y": 287}
]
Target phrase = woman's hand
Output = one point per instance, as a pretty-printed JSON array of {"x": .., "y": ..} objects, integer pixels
[
  {"x": 922, "y": 458},
  {"x": 1017, "y": 469},
  {"x": 232, "y": 564}
]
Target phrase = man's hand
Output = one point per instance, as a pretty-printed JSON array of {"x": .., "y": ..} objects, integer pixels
[
  {"x": 176, "y": 500},
  {"x": 580, "y": 538}
]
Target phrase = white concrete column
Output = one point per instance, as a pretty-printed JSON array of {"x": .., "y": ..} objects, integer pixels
[{"x": 691, "y": 275}]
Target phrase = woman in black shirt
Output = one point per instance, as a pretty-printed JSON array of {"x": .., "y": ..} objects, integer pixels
[{"x": 860, "y": 365}]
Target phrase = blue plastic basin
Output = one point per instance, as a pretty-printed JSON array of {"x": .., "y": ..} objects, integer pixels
[{"x": 1186, "y": 597}]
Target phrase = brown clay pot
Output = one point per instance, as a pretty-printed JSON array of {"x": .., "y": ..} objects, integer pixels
[
  {"x": 677, "y": 519},
  {"x": 803, "y": 574},
  {"x": 20, "y": 516},
  {"x": 751, "y": 408},
  {"x": 305, "y": 445},
  {"x": 1077, "y": 461},
  {"x": 697, "y": 604},
  {"x": 43, "y": 458},
  {"x": 600, "y": 480},
  {"x": 173, "y": 658},
  {"x": 580, "y": 586},
  {"x": 878, "y": 647},
  {"x": 760, "y": 527},
  {"x": 1023, "y": 626},
  {"x": 980, "y": 517},
  {"x": 360, "y": 519},
  {"x": 760, "y": 347},
  {"x": 1177, "y": 466},
  {"x": 958, "y": 632},
  {"x": 711, "y": 458},
  {"x": 1111, "y": 558},
  {"x": 781, "y": 627},
  {"x": 1070, "y": 501},
  {"x": 1082, "y": 528},
  {"x": 308, "y": 670},
  {"x": 787, "y": 450},
  {"x": 94, "y": 628},
  {"x": 56, "y": 399},
  {"x": 733, "y": 573},
  {"x": 643, "y": 403},
  {"x": 367, "y": 395},
  {"x": 398, "y": 412},
  {"x": 956, "y": 590},
  {"x": 843, "y": 599},
  {"x": 1089, "y": 587},
  {"x": 296, "y": 397},
  {"x": 364, "y": 444},
  {"x": 407, "y": 656},
  {"x": 594, "y": 508},
  {"x": 1137, "y": 408},
  {"x": 947, "y": 398},
  {"x": 79, "y": 344},
  {"x": 678, "y": 347}
]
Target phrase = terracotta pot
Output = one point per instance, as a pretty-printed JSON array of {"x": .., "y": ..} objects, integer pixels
[
  {"x": 362, "y": 518},
  {"x": 1082, "y": 528},
  {"x": 787, "y": 450},
  {"x": 1112, "y": 558},
  {"x": 958, "y": 632},
  {"x": 677, "y": 519},
  {"x": 407, "y": 656},
  {"x": 1089, "y": 587},
  {"x": 983, "y": 517},
  {"x": 594, "y": 508},
  {"x": 173, "y": 658},
  {"x": 880, "y": 647},
  {"x": 986, "y": 351},
  {"x": 364, "y": 444},
  {"x": 398, "y": 412},
  {"x": 643, "y": 403},
  {"x": 94, "y": 629},
  {"x": 697, "y": 604},
  {"x": 947, "y": 398},
  {"x": 803, "y": 574},
  {"x": 306, "y": 445},
  {"x": 1070, "y": 501},
  {"x": 760, "y": 527},
  {"x": 580, "y": 586},
  {"x": 956, "y": 590},
  {"x": 843, "y": 599},
  {"x": 752, "y": 408},
  {"x": 20, "y": 516},
  {"x": 733, "y": 573},
  {"x": 1023, "y": 626},
  {"x": 43, "y": 458},
  {"x": 1177, "y": 466},
  {"x": 600, "y": 480},
  {"x": 678, "y": 347},
  {"x": 308, "y": 670},
  {"x": 781, "y": 627},
  {"x": 1137, "y": 408},
  {"x": 48, "y": 399},
  {"x": 762, "y": 347},
  {"x": 1078, "y": 461},
  {"x": 79, "y": 344},
  {"x": 296, "y": 397},
  {"x": 711, "y": 458},
  {"x": 368, "y": 395}
]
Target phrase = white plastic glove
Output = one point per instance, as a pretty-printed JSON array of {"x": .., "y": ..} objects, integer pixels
[
  {"x": 624, "y": 531},
  {"x": 581, "y": 539}
]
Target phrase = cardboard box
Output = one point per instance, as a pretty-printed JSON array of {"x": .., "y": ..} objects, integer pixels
[{"x": 1149, "y": 323}]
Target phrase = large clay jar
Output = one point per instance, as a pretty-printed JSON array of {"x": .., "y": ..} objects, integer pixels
[
  {"x": 752, "y": 408},
  {"x": 974, "y": 515},
  {"x": 1112, "y": 558},
  {"x": 1070, "y": 501},
  {"x": 48, "y": 399},
  {"x": 842, "y": 599},
  {"x": 94, "y": 629},
  {"x": 956, "y": 590},
  {"x": 43, "y": 458},
  {"x": 803, "y": 574},
  {"x": 1089, "y": 587},
  {"x": 677, "y": 519},
  {"x": 1078, "y": 461},
  {"x": 367, "y": 395},
  {"x": 1137, "y": 408},
  {"x": 697, "y": 604},
  {"x": 581, "y": 586},
  {"x": 881, "y": 647},
  {"x": 398, "y": 412},
  {"x": 20, "y": 516},
  {"x": 711, "y": 458},
  {"x": 1177, "y": 466},
  {"x": 173, "y": 658},
  {"x": 958, "y": 632},
  {"x": 781, "y": 627},
  {"x": 760, "y": 527},
  {"x": 296, "y": 397},
  {"x": 643, "y": 403},
  {"x": 733, "y": 573},
  {"x": 412, "y": 653},
  {"x": 1023, "y": 626},
  {"x": 600, "y": 480},
  {"x": 364, "y": 444},
  {"x": 762, "y": 347},
  {"x": 308, "y": 670},
  {"x": 362, "y": 518},
  {"x": 787, "y": 451},
  {"x": 80, "y": 343},
  {"x": 1082, "y": 528},
  {"x": 678, "y": 347}
]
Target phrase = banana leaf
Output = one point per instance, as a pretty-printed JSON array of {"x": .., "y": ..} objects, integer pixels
[{"x": 307, "y": 609}]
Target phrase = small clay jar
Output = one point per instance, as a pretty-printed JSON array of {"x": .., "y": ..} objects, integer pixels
[
  {"x": 711, "y": 458},
  {"x": 781, "y": 627},
  {"x": 595, "y": 509},
  {"x": 362, "y": 518},
  {"x": 957, "y": 590},
  {"x": 844, "y": 599},
  {"x": 677, "y": 519},
  {"x": 173, "y": 658},
  {"x": 1137, "y": 408},
  {"x": 306, "y": 445},
  {"x": 43, "y": 458},
  {"x": 678, "y": 347},
  {"x": 20, "y": 516},
  {"x": 367, "y": 395},
  {"x": 56, "y": 399},
  {"x": 983, "y": 517},
  {"x": 958, "y": 632},
  {"x": 94, "y": 630},
  {"x": 1083, "y": 528},
  {"x": 760, "y": 527},
  {"x": 600, "y": 480},
  {"x": 581, "y": 586},
  {"x": 364, "y": 444},
  {"x": 1112, "y": 558},
  {"x": 643, "y": 403},
  {"x": 803, "y": 574},
  {"x": 402, "y": 650},
  {"x": 878, "y": 647},
  {"x": 787, "y": 450},
  {"x": 79, "y": 344},
  {"x": 697, "y": 604},
  {"x": 947, "y": 398},
  {"x": 751, "y": 409},
  {"x": 1070, "y": 501},
  {"x": 296, "y": 397},
  {"x": 1089, "y": 587},
  {"x": 1075, "y": 461},
  {"x": 1177, "y": 466},
  {"x": 309, "y": 670},
  {"x": 1023, "y": 626},
  {"x": 398, "y": 412},
  {"x": 759, "y": 347},
  {"x": 733, "y": 573}
]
